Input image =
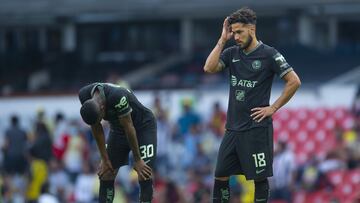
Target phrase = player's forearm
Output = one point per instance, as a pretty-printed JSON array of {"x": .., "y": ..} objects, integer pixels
[
  {"x": 212, "y": 61},
  {"x": 98, "y": 134},
  {"x": 133, "y": 142},
  {"x": 290, "y": 88}
]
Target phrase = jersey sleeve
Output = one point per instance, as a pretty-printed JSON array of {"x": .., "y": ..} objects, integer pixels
[
  {"x": 280, "y": 65},
  {"x": 121, "y": 105},
  {"x": 225, "y": 57}
]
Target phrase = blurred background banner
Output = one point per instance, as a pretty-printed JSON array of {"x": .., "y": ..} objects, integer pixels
[{"x": 51, "y": 48}]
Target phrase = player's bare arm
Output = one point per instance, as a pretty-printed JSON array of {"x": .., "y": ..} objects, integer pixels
[
  {"x": 143, "y": 170},
  {"x": 212, "y": 64},
  {"x": 292, "y": 83},
  {"x": 105, "y": 165}
]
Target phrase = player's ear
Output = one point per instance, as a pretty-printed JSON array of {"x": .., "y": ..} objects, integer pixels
[{"x": 250, "y": 30}]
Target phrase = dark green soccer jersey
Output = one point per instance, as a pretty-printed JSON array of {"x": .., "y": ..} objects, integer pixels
[
  {"x": 119, "y": 102},
  {"x": 251, "y": 76}
]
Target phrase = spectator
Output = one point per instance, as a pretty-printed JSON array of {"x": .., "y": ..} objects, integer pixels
[
  {"x": 59, "y": 181},
  {"x": 335, "y": 160},
  {"x": 284, "y": 176},
  {"x": 37, "y": 176},
  {"x": 191, "y": 141},
  {"x": 172, "y": 193},
  {"x": 188, "y": 118},
  {"x": 60, "y": 136},
  {"x": 42, "y": 144},
  {"x": 15, "y": 148},
  {"x": 46, "y": 196},
  {"x": 218, "y": 120},
  {"x": 84, "y": 185},
  {"x": 163, "y": 142}
]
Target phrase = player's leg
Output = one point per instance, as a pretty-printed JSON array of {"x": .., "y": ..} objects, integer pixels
[
  {"x": 261, "y": 190},
  {"x": 106, "y": 191},
  {"x": 148, "y": 145},
  {"x": 118, "y": 152},
  {"x": 221, "y": 190},
  {"x": 227, "y": 164},
  {"x": 255, "y": 154}
]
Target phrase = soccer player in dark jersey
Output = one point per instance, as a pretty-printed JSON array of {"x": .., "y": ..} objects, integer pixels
[
  {"x": 132, "y": 127},
  {"x": 247, "y": 147}
]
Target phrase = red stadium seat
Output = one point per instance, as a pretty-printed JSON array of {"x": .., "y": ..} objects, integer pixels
[
  {"x": 293, "y": 125},
  {"x": 311, "y": 124},
  {"x": 302, "y": 114},
  {"x": 336, "y": 177},
  {"x": 310, "y": 131},
  {"x": 320, "y": 114},
  {"x": 303, "y": 136},
  {"x": 318, "y": 197}
]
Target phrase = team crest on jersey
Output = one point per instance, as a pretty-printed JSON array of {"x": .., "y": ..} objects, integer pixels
[
  {"x": 123, "y": 103},
  {"x": 240, "y": 95},
  {"x": 256, "y": 65}
]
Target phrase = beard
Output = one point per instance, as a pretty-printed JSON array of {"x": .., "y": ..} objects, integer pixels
[{"x": 247, "y": 43}]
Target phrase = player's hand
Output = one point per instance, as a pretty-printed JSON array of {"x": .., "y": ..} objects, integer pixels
[
  {"x": 259, "y": 113},
  {"x": 105, "y": 168},
  {"x": 144, "y": 171},
  {"x": 226, "y": 31}
]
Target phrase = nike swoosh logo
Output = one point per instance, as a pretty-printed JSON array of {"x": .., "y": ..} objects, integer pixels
[
  {"x": 235, "y": 60},
  {"x": 147, "y": 161},
  {"x": 260, "y": 200},
  {"x": 259, "y": 171}
]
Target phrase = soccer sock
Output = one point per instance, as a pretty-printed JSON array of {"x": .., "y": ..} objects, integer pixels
[
  {"x": 221, "y": 193},
  {"x": 106, "y": 194},
  {"x": 261, "y": 191},
  {"x": 146, "y": 191}
]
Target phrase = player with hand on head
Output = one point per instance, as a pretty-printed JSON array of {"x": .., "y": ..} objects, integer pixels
[
  {"x": 132, "y": 127},
  {"x": 247, "y": 147}
]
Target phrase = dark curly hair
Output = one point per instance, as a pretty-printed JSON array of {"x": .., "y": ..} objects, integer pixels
[{"x": 244, "y": 15}]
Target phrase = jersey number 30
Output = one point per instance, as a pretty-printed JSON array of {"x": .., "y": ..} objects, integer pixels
[{"x": 147, "y": 151}]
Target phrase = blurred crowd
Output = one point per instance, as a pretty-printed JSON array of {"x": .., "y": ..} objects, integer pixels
[{"x": 57, "y": 159}]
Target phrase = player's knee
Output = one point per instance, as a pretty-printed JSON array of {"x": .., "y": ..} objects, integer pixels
[
  {"x": 262, "y": 184},
  {"x": 224, "y": 178},
  {"x": 108, "y": 176}
]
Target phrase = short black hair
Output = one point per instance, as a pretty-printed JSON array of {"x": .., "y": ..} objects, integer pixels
[
  {"x": 244, "y": 15},
  {"x": 90, "y": 112},
  {"x": 14, "y": 120}
]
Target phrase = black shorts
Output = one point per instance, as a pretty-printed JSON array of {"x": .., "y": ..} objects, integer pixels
[
  {"x": 249, "y": 153},
  {"x": 118, "y": 147}
]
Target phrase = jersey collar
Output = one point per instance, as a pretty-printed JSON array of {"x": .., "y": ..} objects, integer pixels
[
  {"x": 100, "y": 87},
  {"x": 254, "y": 49}
]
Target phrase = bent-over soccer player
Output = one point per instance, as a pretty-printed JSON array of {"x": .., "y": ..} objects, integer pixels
[
  {"x": 132, "y": 127},
  {"x": 247, "y": 147}
]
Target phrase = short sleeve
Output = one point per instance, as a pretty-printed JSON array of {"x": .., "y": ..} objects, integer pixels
[
  {"x": 122, "y": 106},
  {"x": 280, "y": 65},
  {"x": 225, "y": 57}
]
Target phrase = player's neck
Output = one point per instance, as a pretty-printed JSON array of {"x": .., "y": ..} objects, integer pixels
[{"x": 253, "y": 45}]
